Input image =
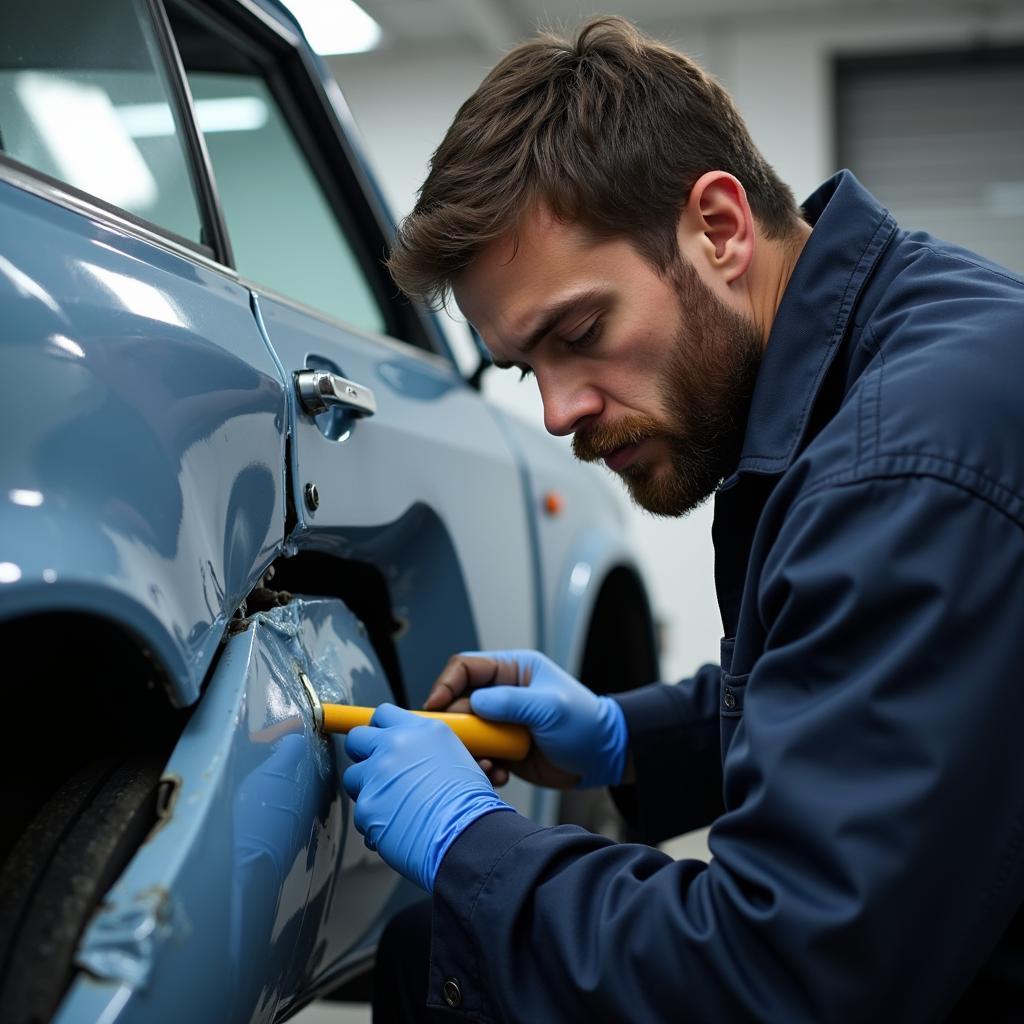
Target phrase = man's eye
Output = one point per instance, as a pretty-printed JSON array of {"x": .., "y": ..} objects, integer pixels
[
  {"x": 587, "y": 338},
  {"x": 524, "y": 372}
]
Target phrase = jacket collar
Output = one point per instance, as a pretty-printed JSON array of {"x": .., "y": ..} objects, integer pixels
[{"x": 850, "y": 231}]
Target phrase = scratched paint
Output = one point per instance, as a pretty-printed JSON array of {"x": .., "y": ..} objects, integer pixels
[{"x": 239, "y": 898}]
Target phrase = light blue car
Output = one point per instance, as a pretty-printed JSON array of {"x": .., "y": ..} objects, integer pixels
[{"x": 234, "y": 463}]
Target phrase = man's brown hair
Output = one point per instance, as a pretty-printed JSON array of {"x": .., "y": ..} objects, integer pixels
[{"x": 609, "y": 129}]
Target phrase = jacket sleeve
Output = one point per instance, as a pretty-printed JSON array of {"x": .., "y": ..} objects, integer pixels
[
  {"x": 673, "y": 734},
  {"x": 868, "y": 859}
]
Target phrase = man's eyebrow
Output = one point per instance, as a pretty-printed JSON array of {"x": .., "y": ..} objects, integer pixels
[{"x": 554, "y": 315}]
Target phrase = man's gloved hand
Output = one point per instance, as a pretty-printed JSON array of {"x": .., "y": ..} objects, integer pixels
[
  {"x": 416, "y": 789},
  {"x": 581, "y": 735}
]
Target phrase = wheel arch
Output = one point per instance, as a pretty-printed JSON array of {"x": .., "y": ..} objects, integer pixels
[
  {"x": 88, "y": 686},
  {"x": 600, "y": 573},
  {"x": 89, "y": 594},
  {"x": 620, "y": 650}
]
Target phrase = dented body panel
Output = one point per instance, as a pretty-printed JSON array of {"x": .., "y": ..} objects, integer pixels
[{"x": 255, "y": 885}]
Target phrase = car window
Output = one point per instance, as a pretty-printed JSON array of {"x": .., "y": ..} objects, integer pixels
[
  {"x": 83, "y": 99},
  {"x": 284, "y": 231}
]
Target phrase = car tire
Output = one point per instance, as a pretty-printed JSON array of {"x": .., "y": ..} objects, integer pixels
[{"x": 58, "y": 871}]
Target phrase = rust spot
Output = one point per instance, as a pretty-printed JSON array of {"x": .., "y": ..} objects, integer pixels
[{"x": 236, "y": 626}]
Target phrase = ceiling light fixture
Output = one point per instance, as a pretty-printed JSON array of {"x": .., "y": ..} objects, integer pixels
[{"x": 336, "y": 26}]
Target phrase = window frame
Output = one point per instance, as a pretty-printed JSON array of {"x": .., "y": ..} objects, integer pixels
[
  {"x": 295, "y": 83},
  {"x": 349, "y": 189},
  {"x": 200, "y": 167},
  {"x": 38, "y": 182}
]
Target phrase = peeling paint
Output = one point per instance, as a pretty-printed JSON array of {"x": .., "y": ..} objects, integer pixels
[{"x": 123, "y": 941}]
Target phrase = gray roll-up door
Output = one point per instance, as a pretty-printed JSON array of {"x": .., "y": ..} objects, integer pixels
[{"x": 939, "y": 139}]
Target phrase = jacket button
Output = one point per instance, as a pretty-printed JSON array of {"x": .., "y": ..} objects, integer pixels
[
  {"x": 729, "y": 699},
  {"x": 452, "y": 993}
]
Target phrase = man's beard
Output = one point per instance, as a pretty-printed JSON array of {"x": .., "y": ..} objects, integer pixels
[{"x": 706, "y": 389}]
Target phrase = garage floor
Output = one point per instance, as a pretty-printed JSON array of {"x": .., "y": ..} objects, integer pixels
[{"x": 694, "y": 844}]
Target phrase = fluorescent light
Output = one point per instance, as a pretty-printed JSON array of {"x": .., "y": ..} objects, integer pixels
[
  {"x": 146, "y": 120},
  {"x": 28, "y": 287},
  {"x": 9, "y": 572},
  {"x": 230, "y": 114},
  {"x": 336, "y": 26},
  {"x": 65, "y": 344},
  {"x": 31, "y": 499},
  {"x": 87, "y": 140},
  {"x": 136, "y": 296},
  {"x": 580, "y": 577}
]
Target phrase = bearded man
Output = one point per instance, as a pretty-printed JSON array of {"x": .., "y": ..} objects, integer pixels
[{"x": 853, "y": 395}]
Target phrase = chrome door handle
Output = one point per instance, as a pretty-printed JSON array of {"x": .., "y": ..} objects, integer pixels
[{"x": 319, "y": 390}]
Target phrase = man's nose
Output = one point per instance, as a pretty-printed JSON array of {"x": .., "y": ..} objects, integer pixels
[{"x": 567, "y": 404}]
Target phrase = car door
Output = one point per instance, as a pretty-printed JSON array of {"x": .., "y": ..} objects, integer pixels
[
  {"x": 409, "y": 472},
  {"x": 308, "y": 240}
]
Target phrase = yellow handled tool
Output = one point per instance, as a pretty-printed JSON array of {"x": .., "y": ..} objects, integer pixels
[
  {"x": 503, "y": 740},
  {"x": 482, "y": 738}
]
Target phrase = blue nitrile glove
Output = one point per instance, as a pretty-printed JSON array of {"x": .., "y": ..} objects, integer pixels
[
  {"x": 416, "y": 789},
  {"x": 574, "y": 728}
]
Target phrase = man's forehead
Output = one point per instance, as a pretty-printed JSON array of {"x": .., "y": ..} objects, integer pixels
[{"x": 513, "y": 275}]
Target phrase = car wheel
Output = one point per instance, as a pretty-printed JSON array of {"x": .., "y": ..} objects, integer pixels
[{"x": 58, "y": 871}]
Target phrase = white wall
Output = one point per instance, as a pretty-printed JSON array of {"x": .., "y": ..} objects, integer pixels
[{"x": 779, "y": 72}]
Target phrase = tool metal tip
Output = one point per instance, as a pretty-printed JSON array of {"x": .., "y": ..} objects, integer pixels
[{"x": 314, "y": 701}]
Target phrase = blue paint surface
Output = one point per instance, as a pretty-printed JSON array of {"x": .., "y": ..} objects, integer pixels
[
  {"x": 256, "y": 885},
  {"x": 150, "y": 437},
  {"x": 150, "y": 423}
]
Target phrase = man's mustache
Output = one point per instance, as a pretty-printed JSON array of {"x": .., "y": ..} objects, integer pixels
[{"x": 595, "y": 442}]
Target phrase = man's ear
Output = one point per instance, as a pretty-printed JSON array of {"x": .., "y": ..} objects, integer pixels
[{"x": 717, "y": 222}]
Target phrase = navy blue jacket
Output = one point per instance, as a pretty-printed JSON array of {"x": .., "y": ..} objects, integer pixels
[{"x": 859, "y": 750}]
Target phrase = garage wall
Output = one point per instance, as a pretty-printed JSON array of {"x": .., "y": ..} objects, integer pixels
[
  {"x": 948, "y": 148},
  {"x": 780, "y": 72}
]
